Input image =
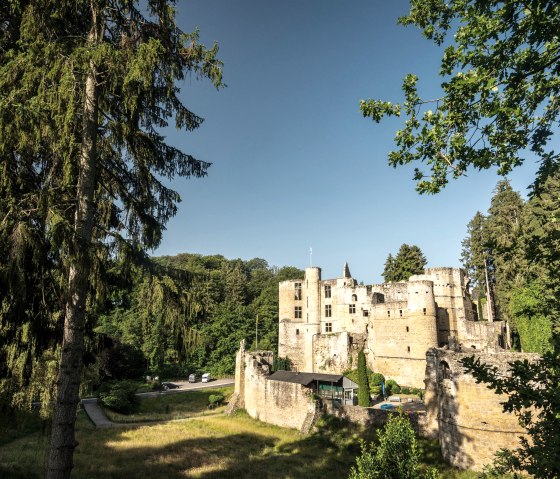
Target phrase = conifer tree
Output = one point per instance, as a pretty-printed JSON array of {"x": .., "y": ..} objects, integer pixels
[
  {"x": 363, "y": 382},
  {"x": 475, "y": 251},
  {"x": 85, "y": 87},
  {"x": 409, "y": 261},
  {"x": 504, "y": 229},
  {"x": 389, "y": 269}
]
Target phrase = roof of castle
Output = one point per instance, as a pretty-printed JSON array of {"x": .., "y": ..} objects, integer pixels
[
  {"x": 346, "y": 271},
  {"x": 306, "y": 379}
]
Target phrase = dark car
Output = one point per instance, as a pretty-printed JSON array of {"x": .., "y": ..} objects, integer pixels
[{"x": 166, "y": 386}]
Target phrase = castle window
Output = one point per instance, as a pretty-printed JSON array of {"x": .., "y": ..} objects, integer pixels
[
  {"x": 445, "y": 370},
  {"x": 297, "y": 312},
  {"x": 400, "y": 313},
  {"x": 354, "y": 297},
  {"x": 297, "y": 331},
  {"x": 352, "y": 309},
  {"x": 328, "y": 327},
  {"x": 407, "y": 329},
  {"x": 388, "y": 313},
  {"x": 297, "y": 291},
  {"x": 365, "y": 312},
  {"x": 328, "y": 311},
  {"x": 327, "y": 291},
  {"x": 408, "y": 348},
  {"x": 424, "y": 311}
]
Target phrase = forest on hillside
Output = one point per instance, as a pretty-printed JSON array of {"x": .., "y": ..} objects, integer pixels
[{"x": 188, "y": 313}]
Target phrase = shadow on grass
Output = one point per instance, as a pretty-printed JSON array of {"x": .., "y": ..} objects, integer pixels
[{"x": 219, "y": 454}]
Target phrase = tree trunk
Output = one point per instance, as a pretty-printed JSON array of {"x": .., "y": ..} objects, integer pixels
[{"x": 63, "y": 442}]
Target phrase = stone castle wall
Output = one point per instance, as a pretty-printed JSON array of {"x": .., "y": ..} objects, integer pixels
[
  {"x": 398, "y": 321},
  {"x": 466, "y": 417},
  {"x": 276, "y": 402}
]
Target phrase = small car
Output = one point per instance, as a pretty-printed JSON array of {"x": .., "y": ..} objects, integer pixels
[
  {"x": 193, "y": 378},
  {"x": 166, "y": 386}
]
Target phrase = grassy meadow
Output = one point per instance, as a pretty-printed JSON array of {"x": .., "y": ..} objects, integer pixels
[
  {"x": 166, "y": 407},
  {"x": 208, "y": 447}
]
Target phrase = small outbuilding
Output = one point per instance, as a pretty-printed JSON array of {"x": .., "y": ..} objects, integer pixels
[{"x": 336, "y": 387}]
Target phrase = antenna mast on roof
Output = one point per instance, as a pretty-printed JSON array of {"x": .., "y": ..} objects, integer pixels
[{"x": 310, "y": 256}]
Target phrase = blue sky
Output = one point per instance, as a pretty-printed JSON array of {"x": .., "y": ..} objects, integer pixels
[{"x": 295, "y": 165}]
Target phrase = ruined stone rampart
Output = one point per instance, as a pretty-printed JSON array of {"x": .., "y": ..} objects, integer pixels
[
  {"x": 281, "y": 403},
  {"x": 466, "y": 417}
]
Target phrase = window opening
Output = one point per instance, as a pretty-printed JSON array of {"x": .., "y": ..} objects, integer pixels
[
  {"x": 328, "y": 311},
  {"x": 297, "y": 312},
  {"x": 352, "y": 308}
]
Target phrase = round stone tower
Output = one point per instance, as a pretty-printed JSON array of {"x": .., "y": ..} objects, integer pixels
[
  {"x": 421, "y": 317},
  {"x": 312, "y": 312}
]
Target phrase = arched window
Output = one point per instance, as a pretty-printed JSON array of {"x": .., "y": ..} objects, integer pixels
[{"x": 354, "y": 297}]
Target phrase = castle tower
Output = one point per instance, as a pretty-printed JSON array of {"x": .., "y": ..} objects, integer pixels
[
  {"x": 402, "y": 331},
  {"x": 311, "y": 313}
]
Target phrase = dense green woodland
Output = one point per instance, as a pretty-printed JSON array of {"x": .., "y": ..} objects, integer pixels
[
  {"x": 189, "y": 314},
  {"x": 515, "y": 249}
]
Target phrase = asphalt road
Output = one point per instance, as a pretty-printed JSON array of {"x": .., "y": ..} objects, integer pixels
[{"x": 185, "y": 386}]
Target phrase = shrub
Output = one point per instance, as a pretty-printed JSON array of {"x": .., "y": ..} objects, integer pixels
[
  {"x": 396, "y": 457},
  {"x": 376, "y": 379},
  {"x": 391, "y": 387},
  {"x": 215, "y": 400},
  {"x": 119, "y": 396}
]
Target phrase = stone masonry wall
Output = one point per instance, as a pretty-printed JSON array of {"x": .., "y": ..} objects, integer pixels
[
  {"x": 467, "y": 417},
  {"x": 281, "y": 403}
]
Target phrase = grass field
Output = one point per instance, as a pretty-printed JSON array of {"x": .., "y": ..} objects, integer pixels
[
  {"x": 172, "y": 406},
  {"x": 207, "y": 447}
]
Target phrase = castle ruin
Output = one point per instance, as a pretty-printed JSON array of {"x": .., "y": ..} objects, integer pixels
[{"x": 324, "y": 323}]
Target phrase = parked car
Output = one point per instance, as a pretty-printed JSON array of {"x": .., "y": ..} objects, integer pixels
[
  {"x": 193, "y": 378},
  {"x": 165, "y": 386},
  {"x": 206, "y": 378}
]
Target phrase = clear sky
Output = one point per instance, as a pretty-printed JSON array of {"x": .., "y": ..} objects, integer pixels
[{"x": 295, "y": 165}]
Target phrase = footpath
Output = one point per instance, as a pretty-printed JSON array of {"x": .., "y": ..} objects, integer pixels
[{"x": 96, "y": 414}]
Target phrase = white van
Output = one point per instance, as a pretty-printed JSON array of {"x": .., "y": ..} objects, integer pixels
[
  {"x": 193, "y": 378},
  {"x": 206, "y": 378}
]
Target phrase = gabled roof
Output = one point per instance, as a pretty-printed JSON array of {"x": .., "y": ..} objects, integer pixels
[{"x": 307, "y": 378}]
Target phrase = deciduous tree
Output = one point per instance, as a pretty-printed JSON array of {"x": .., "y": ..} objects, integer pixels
[{"x": 500, "y": 89}]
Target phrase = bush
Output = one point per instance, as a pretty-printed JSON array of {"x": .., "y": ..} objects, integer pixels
[
  {"x": 391, "y": 387},
  {"x": 376, "y": 379},
  {"x": 396, "y": 457},
  {"x": 214, "y": 400},
  {"x": 120, "y": 396}
]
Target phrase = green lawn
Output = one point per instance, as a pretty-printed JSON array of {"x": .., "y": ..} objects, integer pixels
[
  {"x": 172, "y": 406},
  {"x": 207, "y": 447}
]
